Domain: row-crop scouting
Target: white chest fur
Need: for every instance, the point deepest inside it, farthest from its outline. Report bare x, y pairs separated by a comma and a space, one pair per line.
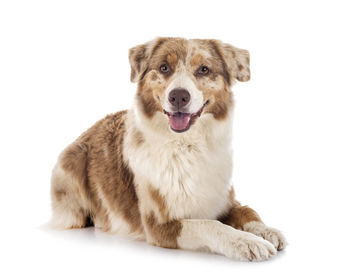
192, 172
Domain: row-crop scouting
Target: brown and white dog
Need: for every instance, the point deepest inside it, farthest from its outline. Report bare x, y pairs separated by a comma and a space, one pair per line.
161, 171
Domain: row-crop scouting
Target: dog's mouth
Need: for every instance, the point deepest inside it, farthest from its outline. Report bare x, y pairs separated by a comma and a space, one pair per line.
180, 121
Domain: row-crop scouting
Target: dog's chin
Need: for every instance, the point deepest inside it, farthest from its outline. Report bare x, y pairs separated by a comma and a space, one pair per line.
180, 121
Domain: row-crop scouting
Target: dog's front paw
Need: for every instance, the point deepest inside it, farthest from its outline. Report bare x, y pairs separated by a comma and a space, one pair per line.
253, 249
248, 247
270, 234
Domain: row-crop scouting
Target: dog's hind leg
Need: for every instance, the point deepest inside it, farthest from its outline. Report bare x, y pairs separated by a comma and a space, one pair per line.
70, 204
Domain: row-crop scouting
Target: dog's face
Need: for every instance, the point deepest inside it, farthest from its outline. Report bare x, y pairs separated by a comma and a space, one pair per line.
184, 79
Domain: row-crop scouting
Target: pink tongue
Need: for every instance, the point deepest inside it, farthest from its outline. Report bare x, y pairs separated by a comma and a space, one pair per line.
179, 121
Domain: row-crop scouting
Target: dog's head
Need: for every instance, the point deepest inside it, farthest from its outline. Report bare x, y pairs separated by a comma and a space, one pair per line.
184, 79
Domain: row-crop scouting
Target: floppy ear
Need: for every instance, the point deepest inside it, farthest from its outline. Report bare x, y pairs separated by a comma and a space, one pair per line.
237, 61
139, 58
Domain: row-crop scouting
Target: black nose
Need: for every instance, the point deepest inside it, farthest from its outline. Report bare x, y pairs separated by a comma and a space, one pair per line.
179, 97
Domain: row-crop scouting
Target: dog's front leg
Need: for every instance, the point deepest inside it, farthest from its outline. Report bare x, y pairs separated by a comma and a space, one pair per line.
245, 218
195, 234
223, 239
219, 238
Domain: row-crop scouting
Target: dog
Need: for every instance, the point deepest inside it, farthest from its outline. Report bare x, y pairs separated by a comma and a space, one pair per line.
161, 171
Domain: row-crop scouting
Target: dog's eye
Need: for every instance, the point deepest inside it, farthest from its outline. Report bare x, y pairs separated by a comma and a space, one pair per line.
203, 70
164, 68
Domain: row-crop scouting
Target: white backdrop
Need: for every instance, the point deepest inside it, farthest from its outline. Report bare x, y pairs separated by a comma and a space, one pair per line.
64, 65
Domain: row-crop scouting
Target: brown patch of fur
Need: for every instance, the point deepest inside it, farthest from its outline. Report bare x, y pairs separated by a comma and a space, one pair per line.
219, 102
238, 215
59, 193
196, 60
163, 234
146, 95
160, 202
172, 59
96, 160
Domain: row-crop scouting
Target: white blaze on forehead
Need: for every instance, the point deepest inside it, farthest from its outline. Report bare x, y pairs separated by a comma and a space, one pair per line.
182, 80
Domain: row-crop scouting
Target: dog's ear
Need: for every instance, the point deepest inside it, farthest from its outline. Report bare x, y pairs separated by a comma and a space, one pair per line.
237, 61
139, 58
